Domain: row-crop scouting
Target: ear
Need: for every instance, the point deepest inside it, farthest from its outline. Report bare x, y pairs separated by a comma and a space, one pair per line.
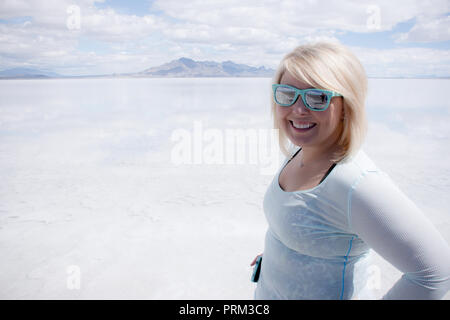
343, 114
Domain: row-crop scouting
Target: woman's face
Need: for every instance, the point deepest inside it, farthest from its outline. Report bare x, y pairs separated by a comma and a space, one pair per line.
324, 126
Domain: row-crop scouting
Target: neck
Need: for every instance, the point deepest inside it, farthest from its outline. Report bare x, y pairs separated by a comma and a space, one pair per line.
316, 157
311, 158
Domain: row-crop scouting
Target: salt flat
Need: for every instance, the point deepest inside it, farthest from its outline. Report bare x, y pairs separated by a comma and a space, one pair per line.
92, 205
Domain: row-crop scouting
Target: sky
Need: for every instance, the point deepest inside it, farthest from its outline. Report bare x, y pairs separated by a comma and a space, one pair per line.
391, 38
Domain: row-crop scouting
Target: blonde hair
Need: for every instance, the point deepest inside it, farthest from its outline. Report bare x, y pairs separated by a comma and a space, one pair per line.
331, 66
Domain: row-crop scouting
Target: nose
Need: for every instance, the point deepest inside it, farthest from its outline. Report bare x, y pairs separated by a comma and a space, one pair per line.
299, 107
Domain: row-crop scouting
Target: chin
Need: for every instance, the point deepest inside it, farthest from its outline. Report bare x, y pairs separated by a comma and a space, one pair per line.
298, 141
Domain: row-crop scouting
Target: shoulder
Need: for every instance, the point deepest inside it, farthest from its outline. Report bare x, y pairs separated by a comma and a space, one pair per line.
344, 180
359, 162
375, 196
350, 172
365, 179
360, 179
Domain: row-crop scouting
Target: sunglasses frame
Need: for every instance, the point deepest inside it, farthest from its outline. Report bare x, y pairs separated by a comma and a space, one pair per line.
299, 92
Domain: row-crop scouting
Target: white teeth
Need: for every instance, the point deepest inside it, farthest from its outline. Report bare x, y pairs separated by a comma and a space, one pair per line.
302, 126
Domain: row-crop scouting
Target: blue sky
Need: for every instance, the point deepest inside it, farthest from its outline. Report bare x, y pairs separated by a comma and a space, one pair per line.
392, 38
133, 7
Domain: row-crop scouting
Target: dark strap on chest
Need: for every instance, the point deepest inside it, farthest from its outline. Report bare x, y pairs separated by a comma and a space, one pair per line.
326, 174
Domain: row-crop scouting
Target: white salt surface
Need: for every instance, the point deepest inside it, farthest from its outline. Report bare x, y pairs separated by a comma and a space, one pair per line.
92, 205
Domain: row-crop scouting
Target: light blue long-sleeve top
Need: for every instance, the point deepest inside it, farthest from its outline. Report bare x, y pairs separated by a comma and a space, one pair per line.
317, 238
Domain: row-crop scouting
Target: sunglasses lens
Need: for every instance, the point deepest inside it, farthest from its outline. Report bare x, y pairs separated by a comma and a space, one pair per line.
284, 96
316, 99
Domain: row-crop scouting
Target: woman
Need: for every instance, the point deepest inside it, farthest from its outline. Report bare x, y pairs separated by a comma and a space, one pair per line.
329, 203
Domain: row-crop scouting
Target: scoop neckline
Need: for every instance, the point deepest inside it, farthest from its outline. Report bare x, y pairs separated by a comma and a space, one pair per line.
301, 191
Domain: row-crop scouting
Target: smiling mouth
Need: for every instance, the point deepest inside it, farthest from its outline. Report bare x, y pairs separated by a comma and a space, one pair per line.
302, 127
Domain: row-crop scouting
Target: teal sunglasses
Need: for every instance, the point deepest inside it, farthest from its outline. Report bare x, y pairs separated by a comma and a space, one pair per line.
313, 99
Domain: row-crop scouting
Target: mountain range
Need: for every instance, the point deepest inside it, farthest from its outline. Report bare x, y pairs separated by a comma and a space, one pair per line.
180, 68
26, 73
185, 67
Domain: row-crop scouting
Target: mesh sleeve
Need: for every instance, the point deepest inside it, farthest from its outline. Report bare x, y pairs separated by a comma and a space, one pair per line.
392, 225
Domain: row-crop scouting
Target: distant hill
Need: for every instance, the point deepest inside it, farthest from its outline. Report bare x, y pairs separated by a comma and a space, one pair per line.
27, 73
180, 68
185, 67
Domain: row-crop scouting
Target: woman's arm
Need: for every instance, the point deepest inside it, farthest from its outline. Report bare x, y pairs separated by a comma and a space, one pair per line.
392, 225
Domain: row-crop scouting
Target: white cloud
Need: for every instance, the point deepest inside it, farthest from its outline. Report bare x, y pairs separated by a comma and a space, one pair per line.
102, 24
406, 62
255, 32
427, 29
107, 25
298, 17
